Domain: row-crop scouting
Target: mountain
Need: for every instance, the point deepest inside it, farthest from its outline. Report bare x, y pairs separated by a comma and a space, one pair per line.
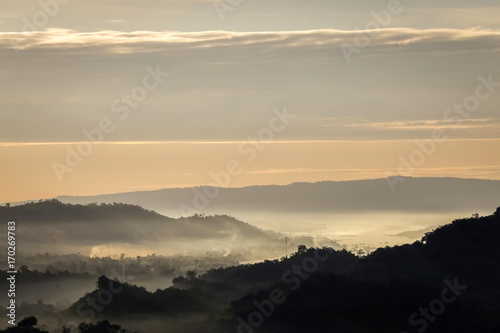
447, 282
410, 194
357, 214
110, 229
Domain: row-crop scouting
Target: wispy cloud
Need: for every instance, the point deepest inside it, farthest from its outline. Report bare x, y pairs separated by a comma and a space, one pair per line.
309, 170
473, 171
150, 41
487, 123
228, 142
479, 171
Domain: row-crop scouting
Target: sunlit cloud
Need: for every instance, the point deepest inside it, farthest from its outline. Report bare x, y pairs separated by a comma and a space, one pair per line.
475, 171
428, 124
308, 170
222, 142
150, 41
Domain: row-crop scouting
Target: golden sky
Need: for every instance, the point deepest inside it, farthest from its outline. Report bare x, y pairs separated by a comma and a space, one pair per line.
112, 168
338, 90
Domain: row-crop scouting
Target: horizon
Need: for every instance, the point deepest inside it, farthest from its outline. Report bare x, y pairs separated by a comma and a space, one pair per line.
375, 240
242, 187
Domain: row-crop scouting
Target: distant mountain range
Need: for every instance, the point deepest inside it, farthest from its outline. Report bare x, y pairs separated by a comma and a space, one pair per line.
412, 195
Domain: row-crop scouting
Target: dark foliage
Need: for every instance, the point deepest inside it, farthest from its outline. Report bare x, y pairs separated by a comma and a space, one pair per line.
447, 282
26, 325
101, 327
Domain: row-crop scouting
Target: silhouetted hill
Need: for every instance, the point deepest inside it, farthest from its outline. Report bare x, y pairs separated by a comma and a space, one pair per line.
56, 211
448, 282
453, 271
105, 229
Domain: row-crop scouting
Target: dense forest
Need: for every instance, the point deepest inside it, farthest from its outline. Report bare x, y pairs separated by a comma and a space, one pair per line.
447, 282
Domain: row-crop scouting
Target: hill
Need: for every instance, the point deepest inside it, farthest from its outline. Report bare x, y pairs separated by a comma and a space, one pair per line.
413, 194
447, 282
111, 229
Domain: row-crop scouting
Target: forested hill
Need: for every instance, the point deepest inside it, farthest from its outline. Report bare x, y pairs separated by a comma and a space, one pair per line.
448, 282
110, 229
56, 211
453, 273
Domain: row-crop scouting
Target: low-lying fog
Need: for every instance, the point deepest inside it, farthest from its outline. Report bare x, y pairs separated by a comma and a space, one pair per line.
353, 231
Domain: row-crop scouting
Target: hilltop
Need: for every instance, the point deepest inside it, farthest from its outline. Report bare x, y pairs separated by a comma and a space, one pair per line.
104, 229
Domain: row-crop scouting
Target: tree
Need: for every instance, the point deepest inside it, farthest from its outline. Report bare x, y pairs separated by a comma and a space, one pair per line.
497, 213
102, 282
191, 275
301, 249
361, 254
26, 325
28, 322
24, 269
101, 327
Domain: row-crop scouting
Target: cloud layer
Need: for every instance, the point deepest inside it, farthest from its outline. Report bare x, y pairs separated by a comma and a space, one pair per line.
224, 85
101, 42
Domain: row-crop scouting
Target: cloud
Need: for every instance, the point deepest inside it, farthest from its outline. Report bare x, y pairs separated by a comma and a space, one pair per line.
311, 170
153, 41
224, 84
473, 171
428, 124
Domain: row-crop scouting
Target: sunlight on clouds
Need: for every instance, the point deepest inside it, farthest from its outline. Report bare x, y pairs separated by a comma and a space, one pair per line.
151, 40
431, 124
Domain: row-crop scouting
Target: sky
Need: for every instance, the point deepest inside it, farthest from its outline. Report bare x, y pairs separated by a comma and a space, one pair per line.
170, 92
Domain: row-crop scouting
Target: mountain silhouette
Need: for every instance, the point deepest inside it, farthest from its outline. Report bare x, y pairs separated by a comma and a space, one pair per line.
427, 195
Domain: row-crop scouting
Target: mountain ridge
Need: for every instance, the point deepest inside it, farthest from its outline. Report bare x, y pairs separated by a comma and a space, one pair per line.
414, 194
